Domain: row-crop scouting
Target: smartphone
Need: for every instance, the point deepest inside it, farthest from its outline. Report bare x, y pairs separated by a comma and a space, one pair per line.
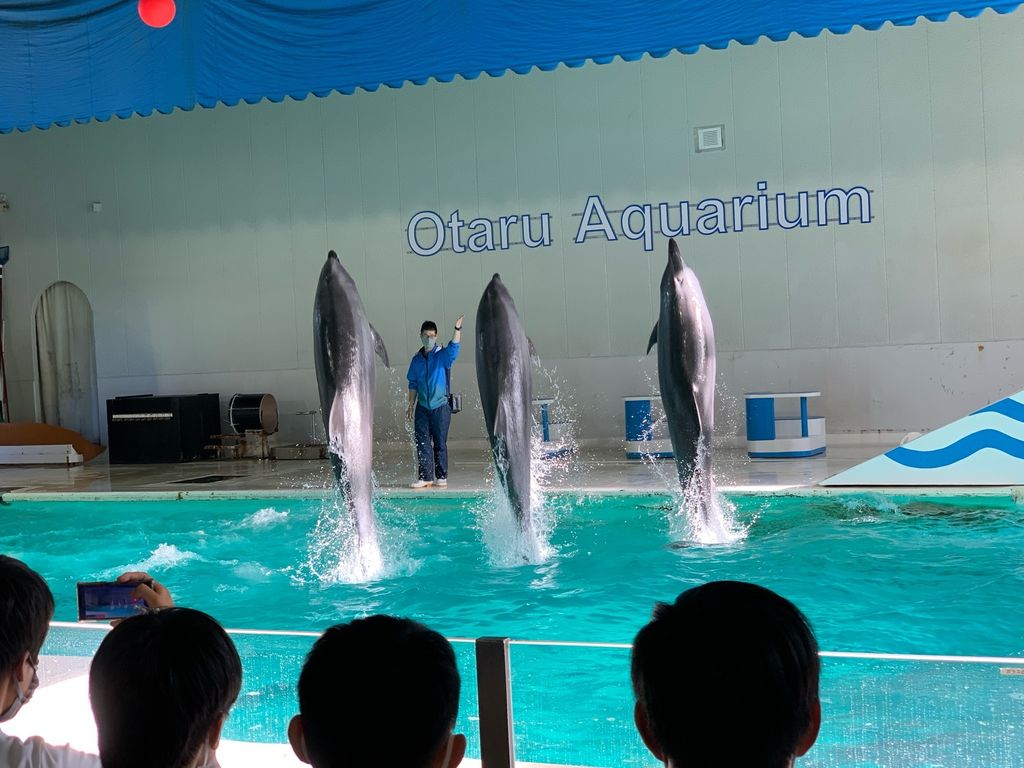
106, 600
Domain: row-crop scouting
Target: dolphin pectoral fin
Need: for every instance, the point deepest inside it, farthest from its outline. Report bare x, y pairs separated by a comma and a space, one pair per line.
378, 346
533, 351
653, 340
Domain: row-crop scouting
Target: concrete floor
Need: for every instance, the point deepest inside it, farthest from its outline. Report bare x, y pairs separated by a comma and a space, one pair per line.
592, 469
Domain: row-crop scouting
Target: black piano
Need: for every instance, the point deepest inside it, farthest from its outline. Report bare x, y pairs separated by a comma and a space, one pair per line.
151, 429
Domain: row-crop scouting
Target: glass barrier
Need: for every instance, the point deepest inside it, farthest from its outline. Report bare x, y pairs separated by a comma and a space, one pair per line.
915, 712
271, 662
572, 703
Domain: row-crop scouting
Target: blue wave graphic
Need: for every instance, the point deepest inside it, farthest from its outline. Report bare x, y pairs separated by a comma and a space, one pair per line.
960, 450
1006, 407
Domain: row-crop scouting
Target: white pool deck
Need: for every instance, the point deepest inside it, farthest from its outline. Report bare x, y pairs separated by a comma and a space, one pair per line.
60, 710
601, 469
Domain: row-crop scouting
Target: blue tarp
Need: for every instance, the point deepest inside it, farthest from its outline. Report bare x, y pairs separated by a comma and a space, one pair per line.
76, 60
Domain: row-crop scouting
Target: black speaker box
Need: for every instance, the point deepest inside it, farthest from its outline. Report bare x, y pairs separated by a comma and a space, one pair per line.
148, 429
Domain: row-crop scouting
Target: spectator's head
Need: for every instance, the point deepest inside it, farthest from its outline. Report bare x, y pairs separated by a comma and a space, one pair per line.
26, 607
161, 685
378, 691
727, 677
429, 326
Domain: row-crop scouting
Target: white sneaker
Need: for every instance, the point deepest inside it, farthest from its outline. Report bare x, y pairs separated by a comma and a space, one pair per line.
421, 484
441, 482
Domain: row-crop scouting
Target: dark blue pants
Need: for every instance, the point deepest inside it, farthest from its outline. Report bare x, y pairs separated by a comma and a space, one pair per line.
432, 441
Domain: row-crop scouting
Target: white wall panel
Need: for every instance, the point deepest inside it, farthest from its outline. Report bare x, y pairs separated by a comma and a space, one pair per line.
579, 175
110, 322
146, 312
307, 198
757, 147
497, 188
807, 165
385, 285
165, 145
417, 191
543, 304
857, 161
908, 194
279, 300
715, 258
23, 278
1002, 62
623, 180
462, 273
202, 265
668, 145
961, 216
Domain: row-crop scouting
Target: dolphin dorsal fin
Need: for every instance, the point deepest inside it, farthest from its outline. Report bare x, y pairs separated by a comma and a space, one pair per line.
378, 346
653, 340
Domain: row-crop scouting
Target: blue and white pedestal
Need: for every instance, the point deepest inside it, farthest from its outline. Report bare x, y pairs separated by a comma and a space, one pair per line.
770, 437
554, 434
646, 430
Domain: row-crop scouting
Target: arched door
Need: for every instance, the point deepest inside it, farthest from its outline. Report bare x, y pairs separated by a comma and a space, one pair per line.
65, 360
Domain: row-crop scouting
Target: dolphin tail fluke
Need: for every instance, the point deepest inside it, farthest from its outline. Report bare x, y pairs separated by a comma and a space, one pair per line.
653, 340
378, 346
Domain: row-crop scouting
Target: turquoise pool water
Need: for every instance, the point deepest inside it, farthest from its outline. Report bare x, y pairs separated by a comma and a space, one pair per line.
897, 575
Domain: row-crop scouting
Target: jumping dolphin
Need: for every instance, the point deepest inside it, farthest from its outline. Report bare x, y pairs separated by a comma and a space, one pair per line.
343, 346
504, 377
686, 374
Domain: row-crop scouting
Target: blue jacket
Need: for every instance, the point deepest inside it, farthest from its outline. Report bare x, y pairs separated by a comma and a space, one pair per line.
428, 374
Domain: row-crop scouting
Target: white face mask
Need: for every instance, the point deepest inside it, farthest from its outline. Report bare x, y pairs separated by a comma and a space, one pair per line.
428, 342
20, 696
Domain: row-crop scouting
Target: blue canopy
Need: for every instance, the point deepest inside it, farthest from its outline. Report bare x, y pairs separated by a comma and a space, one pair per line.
77, 60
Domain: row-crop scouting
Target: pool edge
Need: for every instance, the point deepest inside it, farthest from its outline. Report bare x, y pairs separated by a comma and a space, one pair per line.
1014, 492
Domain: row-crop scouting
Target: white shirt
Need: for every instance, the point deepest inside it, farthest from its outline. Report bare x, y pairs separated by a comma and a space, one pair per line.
36, 753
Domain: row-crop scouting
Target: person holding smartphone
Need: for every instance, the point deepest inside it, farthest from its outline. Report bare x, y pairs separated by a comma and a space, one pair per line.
428, 409
180, 669
26, 608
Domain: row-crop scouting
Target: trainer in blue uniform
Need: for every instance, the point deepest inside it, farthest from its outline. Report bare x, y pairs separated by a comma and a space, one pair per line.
428, 403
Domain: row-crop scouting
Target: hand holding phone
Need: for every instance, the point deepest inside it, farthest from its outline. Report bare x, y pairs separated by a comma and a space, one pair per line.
133, 593
155, 594
106, 600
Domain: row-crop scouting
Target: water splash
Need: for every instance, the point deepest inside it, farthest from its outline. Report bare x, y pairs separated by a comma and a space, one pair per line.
694, 520
507, 544
264, 518
164, 557
703, 515
335, 552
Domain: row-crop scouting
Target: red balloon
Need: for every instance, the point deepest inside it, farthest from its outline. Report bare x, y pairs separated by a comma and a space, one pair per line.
156, 13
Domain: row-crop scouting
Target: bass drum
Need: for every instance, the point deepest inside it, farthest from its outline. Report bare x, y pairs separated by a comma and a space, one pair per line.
253, 412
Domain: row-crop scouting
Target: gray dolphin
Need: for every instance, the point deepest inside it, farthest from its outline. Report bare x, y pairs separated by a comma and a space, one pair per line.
686, 373
344, 343
506, 390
